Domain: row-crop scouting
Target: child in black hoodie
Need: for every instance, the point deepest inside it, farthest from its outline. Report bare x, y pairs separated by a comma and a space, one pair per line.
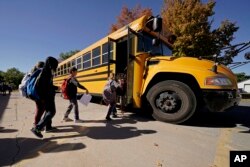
46, 91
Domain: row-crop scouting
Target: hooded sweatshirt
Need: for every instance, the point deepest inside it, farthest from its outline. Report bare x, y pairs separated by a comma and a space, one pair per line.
44, 85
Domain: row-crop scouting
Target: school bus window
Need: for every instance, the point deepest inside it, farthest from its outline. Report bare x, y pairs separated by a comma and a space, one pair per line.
79, 63
58, 71
55, 73
64, 69
166, 50
68, 65
61, 69
86, 60
96, 57
73, 63
105, 52
145, 45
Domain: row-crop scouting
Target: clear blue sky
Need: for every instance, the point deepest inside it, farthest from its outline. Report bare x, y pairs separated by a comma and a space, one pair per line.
31, 30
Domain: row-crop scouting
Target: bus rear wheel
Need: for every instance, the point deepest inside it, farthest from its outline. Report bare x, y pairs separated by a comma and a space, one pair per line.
172, 101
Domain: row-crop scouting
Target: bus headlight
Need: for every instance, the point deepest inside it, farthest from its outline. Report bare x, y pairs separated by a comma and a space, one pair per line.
218, 81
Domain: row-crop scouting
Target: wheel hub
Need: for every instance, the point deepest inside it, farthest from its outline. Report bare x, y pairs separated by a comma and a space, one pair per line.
166, 102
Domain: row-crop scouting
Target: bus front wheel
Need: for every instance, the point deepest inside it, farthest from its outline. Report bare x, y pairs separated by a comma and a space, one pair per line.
172, 101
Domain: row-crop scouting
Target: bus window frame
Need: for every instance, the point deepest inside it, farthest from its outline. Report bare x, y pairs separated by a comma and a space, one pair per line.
106, 53
79, 64
68, 66
86, 61
162, 44
73, 63
96, 51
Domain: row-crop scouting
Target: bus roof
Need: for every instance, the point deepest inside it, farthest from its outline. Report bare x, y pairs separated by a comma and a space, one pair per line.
137, 25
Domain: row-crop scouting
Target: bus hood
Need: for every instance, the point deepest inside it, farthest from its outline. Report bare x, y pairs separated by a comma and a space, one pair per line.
199, 68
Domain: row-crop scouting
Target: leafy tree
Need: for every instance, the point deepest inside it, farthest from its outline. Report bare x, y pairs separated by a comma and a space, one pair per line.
66, 55
128, 15
1, 76
242, 76
189, 21
13, 76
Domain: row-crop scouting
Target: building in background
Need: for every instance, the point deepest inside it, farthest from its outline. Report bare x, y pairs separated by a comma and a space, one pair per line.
244, 86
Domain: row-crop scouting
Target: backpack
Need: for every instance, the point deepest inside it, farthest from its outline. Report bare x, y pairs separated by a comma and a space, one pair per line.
65, 88
23, 85
108, 93
31, 85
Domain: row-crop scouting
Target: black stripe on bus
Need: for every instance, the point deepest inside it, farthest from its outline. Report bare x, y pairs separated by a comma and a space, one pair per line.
91, 80
90, 68
88, 75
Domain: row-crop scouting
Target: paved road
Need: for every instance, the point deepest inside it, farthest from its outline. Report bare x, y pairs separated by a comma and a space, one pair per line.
132, 140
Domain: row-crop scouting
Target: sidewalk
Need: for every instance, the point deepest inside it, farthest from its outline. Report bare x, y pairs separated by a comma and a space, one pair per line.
93, 143
20, 147
130, 140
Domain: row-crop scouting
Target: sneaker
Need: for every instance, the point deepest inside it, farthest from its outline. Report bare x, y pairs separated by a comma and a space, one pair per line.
78, 121
37, 132
52, 129
35, 127
114, 116
108, 119
67, 119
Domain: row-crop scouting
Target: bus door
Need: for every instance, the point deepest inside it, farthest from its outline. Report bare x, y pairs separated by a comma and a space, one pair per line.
122, 70
111, 43
125, 65
130, 67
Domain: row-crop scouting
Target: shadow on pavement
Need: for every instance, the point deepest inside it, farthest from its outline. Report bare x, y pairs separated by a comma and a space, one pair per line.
13, 150
238, 115
4, 99
115, 132
127, 118
112, 130
3, 130
228, 119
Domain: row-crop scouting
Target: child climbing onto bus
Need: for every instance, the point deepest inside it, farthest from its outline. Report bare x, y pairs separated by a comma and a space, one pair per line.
109, 95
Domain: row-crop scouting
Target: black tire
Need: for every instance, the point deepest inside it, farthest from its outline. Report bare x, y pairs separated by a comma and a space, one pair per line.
172, 101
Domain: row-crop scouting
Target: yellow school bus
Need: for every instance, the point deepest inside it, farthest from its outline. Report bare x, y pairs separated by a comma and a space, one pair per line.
173, 87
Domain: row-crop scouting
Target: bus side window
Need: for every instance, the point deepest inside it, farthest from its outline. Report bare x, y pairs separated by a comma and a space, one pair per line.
105, 52
96, 57
86, 60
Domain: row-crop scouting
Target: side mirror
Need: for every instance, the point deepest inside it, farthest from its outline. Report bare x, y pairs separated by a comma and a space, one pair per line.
155, 42
154, 24
247, 56
157, 24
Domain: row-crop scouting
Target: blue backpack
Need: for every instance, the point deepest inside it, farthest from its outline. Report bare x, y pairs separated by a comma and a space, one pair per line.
31, 85
23, 85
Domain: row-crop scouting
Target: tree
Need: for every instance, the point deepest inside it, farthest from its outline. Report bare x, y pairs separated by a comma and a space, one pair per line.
66, 55
1, 76
128, 15
189, 21
13, 77
242, 76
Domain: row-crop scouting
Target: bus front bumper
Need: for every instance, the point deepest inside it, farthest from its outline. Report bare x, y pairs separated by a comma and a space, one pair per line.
217, 100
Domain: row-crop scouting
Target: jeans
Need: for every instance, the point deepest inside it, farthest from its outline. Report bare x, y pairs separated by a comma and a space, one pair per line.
72, 103
111, 110
40, 108
50, 109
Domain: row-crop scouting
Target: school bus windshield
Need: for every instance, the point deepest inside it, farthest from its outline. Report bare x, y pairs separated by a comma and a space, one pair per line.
145, 45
